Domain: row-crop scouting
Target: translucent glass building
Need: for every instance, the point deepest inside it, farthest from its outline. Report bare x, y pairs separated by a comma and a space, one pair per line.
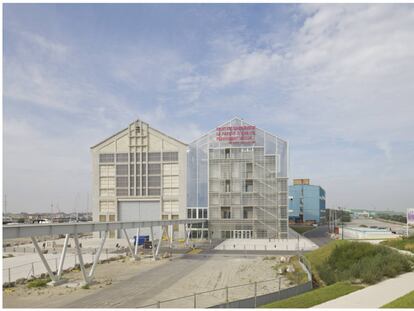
237, 178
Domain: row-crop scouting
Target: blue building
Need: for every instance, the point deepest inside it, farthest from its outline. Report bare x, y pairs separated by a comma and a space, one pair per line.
306, 202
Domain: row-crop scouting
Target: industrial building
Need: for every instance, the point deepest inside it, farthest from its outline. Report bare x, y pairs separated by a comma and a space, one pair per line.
307, 202
234, 176
139, 173
237, 178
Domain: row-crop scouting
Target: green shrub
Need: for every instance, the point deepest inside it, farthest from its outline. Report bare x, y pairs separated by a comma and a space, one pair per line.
38, 283
362, 261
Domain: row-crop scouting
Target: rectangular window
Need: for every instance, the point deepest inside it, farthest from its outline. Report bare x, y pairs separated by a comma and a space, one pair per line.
170, 156
200, 214
249, 170
122, 181
131, 181
144, 169
102, 218
144, 157
247, 212
154, 191
122, 157
248, 185
205, 213
189, 213
106, 158
154, 181
154, 157
194, 213
122, 169
154, 169
137, 157
227, 153
131, 157
111, 217
225, 212
227, 187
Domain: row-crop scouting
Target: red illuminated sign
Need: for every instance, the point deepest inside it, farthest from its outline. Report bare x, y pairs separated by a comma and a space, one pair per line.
245, 134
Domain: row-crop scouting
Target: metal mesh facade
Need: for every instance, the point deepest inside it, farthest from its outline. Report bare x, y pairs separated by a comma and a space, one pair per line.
243, 185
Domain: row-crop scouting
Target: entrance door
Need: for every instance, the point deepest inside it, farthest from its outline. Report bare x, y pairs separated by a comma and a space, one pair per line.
242, 234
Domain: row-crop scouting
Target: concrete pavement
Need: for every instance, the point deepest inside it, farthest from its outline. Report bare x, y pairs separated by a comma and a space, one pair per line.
374, 296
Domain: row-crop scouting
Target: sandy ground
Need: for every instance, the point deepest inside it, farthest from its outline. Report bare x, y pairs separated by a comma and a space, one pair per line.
55, 297
145, 282
224, 271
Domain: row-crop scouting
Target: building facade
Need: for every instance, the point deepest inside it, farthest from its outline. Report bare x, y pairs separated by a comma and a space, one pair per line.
307, 202
139, 174
237, 179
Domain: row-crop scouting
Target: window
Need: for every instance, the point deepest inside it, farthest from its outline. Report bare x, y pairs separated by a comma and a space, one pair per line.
102, 218
189, 213
131, 157
249, 186
194, 213
111, 217
144, 169
106, 158
227, 153
144, 157
122, 192
205, 213
225, 212
154, 191
249, 170
247, 212
170, 156
122, 181
227, 187
137, 156
122, 157
200, 214
154, 181
122, 169
154, 169
154, 157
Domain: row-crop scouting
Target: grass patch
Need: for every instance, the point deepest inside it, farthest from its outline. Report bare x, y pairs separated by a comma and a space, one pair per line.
406, 301
406, 244
86, 286
302, 229
298, 276
316, 296
317, 258
38, 283
357, 262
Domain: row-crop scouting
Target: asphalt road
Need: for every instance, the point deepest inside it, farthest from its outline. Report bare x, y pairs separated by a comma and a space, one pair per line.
319, 235
139, 289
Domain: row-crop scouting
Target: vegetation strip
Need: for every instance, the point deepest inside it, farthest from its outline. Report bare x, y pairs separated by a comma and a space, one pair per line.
406, 301
316, 296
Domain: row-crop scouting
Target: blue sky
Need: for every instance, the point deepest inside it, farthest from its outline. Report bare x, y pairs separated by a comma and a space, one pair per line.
334, 80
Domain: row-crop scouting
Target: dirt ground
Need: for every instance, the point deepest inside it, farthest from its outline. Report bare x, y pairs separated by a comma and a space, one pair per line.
113, 283
54, 297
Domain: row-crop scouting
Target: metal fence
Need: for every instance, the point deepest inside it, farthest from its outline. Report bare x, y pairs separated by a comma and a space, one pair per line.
36, 268
247, 295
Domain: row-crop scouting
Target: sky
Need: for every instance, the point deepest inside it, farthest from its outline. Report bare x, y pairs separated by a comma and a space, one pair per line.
336, 81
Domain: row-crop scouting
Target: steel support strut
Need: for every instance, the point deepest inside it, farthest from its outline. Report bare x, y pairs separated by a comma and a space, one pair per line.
79, 251
129, 245
62, 256
159, 242
42, 257
95, 262
152, 243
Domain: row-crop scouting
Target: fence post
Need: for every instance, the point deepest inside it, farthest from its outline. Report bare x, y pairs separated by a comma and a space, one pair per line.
9, 276
255, 294
195, 300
